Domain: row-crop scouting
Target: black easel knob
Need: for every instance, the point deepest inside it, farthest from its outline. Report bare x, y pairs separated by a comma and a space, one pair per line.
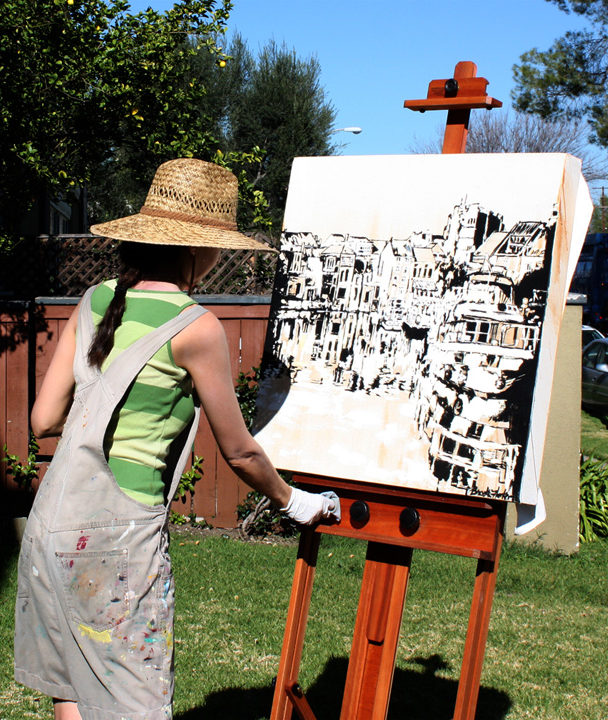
409, 521
359, 513
451, 87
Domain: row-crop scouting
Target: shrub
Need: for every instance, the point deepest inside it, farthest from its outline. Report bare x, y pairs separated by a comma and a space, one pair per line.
258, 516
24, 473
247, 386
186, 485
593, 500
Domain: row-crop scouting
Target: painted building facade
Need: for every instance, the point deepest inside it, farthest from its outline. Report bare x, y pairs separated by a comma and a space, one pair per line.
450, 322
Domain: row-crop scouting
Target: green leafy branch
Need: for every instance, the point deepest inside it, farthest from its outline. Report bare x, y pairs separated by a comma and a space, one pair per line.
247, 386
253, 204
185, 487
23, 473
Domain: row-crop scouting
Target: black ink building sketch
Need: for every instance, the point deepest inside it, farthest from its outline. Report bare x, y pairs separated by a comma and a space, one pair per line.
450, 323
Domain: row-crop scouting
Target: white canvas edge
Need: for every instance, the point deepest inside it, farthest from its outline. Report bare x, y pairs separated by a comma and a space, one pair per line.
575, 210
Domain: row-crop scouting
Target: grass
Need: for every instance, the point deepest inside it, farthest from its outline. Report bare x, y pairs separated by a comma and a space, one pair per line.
594, 435
545, 657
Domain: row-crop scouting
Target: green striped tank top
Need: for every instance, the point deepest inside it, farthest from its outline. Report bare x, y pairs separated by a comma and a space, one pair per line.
159, 406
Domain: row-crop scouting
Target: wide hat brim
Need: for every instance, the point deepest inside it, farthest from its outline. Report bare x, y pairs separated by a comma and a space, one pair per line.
168, 231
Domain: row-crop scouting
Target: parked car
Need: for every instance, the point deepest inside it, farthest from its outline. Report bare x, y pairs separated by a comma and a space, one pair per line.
595, 373
589, 334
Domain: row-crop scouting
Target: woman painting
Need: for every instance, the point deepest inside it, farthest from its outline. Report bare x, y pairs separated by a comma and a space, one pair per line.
94, 615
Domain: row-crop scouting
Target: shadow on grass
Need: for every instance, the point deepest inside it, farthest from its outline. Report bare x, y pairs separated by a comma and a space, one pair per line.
417, 696
9, 542
599, 412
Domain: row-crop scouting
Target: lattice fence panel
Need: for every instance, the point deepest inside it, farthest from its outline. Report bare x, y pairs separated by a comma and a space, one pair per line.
241, 272
65, 265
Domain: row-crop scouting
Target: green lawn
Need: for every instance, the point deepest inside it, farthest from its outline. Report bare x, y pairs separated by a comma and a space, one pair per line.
594, 434
546, 655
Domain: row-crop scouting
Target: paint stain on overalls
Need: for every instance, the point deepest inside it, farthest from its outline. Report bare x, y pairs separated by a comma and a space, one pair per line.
94, 613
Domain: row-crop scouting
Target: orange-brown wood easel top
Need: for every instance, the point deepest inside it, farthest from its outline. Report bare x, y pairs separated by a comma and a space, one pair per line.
460, 94
394, 522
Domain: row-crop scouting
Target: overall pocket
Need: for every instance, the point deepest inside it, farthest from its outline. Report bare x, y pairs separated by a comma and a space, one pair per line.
96, 586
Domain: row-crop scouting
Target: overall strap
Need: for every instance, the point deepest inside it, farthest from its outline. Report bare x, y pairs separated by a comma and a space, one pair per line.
121, 372
84, 337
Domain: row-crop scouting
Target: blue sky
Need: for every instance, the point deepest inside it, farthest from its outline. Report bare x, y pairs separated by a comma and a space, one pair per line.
374, 55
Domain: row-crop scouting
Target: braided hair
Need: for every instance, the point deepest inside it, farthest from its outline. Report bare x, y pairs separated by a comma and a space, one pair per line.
139, 262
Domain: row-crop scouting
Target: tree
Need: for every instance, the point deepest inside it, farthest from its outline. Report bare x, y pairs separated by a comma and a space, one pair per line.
275, 102
81, 80
259, 113
499, 131
599, 219
570, 79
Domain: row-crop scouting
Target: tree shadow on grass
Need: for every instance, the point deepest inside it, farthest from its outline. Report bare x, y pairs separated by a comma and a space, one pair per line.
599, 412
9, 542
415, 695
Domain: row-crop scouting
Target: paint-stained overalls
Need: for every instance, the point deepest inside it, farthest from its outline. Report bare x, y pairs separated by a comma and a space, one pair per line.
94, 613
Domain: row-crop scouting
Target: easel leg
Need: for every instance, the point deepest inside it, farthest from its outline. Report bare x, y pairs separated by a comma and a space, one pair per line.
477, 634
300, 704
456, 130
299, 603
372, 661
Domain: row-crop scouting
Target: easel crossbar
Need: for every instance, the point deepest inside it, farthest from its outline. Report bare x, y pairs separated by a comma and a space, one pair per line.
456, 526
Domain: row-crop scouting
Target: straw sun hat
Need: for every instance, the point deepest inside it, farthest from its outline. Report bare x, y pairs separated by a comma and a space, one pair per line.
190, 202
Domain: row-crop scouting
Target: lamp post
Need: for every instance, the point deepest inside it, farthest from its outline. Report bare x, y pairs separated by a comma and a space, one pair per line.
354, 130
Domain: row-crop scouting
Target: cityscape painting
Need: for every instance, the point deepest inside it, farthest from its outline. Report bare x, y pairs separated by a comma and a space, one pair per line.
405, 347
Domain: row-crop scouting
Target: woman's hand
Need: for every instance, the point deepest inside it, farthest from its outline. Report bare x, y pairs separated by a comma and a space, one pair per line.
308, 508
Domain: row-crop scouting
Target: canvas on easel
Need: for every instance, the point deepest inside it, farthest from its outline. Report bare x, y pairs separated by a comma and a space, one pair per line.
415, 318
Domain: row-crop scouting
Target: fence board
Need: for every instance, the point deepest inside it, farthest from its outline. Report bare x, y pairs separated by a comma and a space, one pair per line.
50, 323
15, 394
246, 311
47, 337
232, 328
17, 420
205, 494
253, 334
3, 363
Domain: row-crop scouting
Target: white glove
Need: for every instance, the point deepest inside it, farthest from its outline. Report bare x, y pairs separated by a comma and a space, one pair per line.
308, 508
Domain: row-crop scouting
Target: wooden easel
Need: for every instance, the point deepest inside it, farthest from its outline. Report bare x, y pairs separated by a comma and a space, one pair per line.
394, 521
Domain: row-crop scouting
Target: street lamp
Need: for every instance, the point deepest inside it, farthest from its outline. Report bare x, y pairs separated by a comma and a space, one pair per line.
353, 130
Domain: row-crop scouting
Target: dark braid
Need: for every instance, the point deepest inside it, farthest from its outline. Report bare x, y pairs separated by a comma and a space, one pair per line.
104, 337
139, 261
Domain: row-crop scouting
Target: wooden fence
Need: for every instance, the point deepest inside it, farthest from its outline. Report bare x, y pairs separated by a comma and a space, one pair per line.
28, 335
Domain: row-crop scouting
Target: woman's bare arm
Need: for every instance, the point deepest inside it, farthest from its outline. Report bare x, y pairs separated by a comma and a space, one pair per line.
203, 351
55, 397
